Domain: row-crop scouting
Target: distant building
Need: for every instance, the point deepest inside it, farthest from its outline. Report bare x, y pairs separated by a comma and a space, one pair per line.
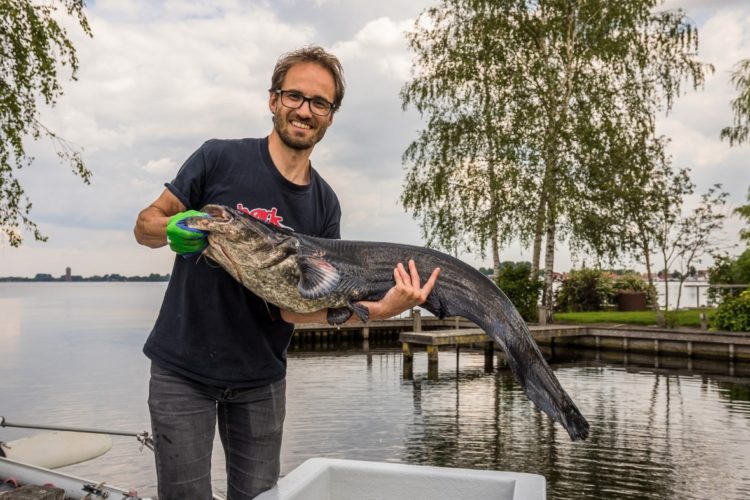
68, 276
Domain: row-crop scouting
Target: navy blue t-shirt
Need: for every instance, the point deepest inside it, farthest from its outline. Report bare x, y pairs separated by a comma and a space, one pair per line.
211, 328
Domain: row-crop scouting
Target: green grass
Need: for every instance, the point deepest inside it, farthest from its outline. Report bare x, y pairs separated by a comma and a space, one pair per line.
687, 317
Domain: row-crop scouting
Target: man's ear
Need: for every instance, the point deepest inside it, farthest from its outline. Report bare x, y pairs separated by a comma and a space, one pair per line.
273, 102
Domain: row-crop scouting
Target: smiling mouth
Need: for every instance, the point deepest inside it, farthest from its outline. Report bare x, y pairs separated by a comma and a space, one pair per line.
300, 125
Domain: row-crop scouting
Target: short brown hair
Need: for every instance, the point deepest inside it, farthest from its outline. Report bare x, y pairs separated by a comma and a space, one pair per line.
314, 54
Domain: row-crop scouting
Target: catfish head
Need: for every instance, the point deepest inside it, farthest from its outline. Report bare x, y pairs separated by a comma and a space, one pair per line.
241, 243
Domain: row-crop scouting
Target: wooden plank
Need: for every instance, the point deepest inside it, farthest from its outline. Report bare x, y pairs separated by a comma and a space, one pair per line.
677, 335
445, 337
477, 335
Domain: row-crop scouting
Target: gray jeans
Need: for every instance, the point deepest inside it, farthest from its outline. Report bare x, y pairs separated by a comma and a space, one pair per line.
183, 421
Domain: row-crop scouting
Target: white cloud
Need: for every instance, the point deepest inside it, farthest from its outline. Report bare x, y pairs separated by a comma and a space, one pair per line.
162, 167
381, 45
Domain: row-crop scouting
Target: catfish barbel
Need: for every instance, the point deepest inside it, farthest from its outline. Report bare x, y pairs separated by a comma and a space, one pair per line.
305, 274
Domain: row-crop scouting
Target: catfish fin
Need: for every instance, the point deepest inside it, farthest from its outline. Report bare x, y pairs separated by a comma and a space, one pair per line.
318, 277
338, 315
362, 312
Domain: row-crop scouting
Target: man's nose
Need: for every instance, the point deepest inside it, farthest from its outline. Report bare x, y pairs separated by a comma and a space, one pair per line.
305, 110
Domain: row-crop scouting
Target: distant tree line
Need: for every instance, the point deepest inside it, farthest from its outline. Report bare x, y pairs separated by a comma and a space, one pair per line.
76, 278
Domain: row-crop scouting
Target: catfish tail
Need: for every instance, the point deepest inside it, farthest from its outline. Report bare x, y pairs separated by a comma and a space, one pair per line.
476, 298
536, 377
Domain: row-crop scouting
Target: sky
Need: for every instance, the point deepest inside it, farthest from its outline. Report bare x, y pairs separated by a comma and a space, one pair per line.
158, 78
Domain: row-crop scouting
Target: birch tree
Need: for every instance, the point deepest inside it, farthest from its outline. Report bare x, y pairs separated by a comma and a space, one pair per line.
468, 182
568, 78
34, 46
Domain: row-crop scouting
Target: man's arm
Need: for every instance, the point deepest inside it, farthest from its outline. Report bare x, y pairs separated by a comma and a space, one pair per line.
150, 227
405, 294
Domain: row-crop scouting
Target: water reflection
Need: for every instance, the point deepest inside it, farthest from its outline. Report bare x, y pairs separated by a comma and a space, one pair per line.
660, 429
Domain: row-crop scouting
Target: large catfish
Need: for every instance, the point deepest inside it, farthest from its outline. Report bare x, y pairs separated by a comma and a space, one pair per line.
304, 274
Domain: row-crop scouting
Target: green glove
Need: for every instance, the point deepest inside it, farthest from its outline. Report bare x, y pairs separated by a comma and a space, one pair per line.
184, 240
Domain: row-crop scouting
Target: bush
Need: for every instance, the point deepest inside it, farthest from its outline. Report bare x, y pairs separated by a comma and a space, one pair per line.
629, 282
733, 314
632, 282
585, 290
514, 280
728, 271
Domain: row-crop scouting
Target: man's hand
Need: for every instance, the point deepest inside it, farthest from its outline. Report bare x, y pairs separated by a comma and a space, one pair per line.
184, 240
405, 294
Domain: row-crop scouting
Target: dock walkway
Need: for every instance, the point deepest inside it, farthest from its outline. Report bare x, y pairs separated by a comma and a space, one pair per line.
681, 342
434, 333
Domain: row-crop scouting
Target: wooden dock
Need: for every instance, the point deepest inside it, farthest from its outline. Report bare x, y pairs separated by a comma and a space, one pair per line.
432, 340
434, 333
730, 346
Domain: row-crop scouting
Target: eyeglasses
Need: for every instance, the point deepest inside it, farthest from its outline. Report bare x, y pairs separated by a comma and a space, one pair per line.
295, 100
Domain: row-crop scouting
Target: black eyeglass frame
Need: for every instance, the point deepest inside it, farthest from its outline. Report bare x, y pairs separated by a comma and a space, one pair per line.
305, 99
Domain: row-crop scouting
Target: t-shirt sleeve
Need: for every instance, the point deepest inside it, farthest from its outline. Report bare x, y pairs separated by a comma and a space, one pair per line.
188, 186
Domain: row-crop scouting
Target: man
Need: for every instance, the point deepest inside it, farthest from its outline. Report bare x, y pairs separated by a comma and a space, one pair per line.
218, 352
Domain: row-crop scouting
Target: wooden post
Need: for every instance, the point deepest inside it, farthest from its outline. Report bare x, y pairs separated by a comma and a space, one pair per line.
489, 355
552, 348
417, 316
408, 353
704, 321
542, 312
432, 354
365, 332
408, 365
408, 370
432, 362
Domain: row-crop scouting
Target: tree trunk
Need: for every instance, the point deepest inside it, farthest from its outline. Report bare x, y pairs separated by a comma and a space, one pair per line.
549, 260
538, 229
557, 119
650, 277
495, 258
661, 320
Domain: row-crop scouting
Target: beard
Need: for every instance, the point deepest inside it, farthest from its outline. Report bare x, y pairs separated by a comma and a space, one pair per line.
283, 127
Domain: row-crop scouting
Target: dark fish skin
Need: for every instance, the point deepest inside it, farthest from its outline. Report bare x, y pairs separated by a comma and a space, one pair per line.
304, 274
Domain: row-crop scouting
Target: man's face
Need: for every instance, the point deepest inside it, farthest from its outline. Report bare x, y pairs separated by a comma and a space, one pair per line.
300, 128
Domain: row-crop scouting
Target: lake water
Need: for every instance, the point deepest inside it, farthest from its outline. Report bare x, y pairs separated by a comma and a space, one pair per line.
70, 354
694, 294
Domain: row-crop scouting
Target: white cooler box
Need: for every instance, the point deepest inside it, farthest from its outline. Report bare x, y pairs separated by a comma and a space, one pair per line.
335, 479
